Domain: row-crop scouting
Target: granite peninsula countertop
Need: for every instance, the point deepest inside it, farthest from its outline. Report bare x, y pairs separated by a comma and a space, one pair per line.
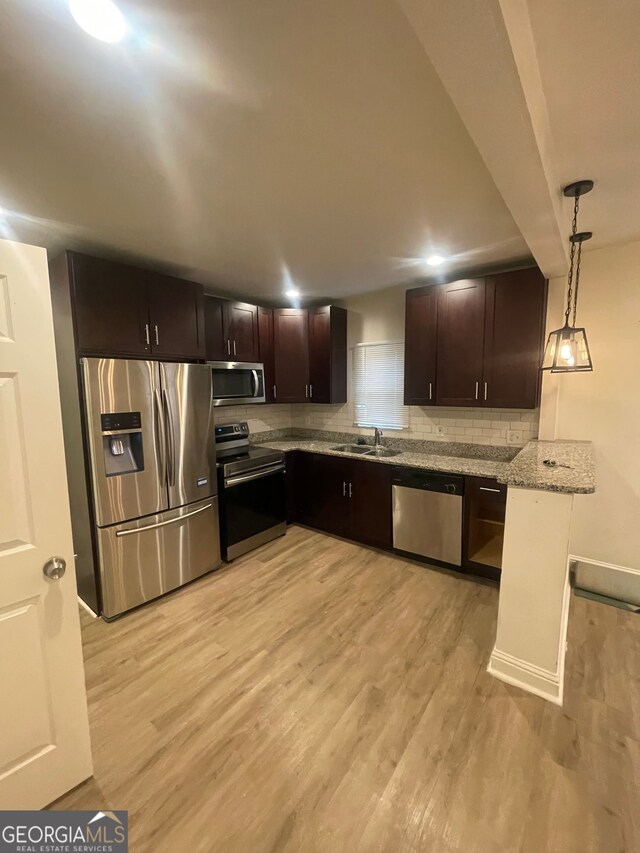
527, 469
574, 474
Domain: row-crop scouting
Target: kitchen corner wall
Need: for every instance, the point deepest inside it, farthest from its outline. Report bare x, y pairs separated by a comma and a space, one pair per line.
375, 317
379, 316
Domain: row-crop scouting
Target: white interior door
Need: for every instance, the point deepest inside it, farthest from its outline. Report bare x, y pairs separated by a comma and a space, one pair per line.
44, 731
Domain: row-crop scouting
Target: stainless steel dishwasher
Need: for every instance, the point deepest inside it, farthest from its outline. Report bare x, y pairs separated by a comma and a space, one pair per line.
427, 516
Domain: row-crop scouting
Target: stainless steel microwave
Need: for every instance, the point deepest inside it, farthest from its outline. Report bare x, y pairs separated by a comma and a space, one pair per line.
236, 383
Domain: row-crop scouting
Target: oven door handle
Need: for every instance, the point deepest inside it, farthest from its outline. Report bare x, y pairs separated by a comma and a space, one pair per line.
258, 475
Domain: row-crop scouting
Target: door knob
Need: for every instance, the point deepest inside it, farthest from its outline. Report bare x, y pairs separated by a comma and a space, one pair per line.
54, 568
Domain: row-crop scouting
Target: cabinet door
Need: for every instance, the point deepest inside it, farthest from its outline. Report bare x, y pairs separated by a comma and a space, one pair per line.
215, 322
328, 354
460, 345
421, 323
291, 349
176, 317
110, 307
370, 513
485, 503
514, 329
242, 331
322, 492
265, 340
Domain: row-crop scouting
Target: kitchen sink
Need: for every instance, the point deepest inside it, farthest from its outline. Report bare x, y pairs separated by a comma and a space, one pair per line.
366, 450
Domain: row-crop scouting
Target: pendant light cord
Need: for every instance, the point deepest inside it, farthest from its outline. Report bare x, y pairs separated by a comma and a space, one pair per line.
574, 229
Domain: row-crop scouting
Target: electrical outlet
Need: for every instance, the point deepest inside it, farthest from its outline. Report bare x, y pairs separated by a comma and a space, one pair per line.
514, 436
439, 430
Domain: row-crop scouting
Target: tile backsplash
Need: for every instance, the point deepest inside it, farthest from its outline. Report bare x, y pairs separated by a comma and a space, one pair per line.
260, 418
495, 427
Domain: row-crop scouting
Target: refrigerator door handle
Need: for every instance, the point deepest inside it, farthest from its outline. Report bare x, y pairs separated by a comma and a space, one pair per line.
160, 437
170, 440
133, 530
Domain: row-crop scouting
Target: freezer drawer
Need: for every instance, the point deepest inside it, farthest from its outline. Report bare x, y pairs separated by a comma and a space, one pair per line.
428, 524
140, 560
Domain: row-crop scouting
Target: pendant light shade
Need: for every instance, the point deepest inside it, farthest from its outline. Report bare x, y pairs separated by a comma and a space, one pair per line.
567, 349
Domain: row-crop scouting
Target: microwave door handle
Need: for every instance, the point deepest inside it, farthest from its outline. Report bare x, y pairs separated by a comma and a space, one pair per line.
256, 383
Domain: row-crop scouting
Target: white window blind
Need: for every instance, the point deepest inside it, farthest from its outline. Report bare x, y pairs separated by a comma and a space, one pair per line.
378, 385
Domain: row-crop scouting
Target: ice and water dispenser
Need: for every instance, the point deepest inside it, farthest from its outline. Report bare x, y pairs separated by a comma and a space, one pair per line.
122, 443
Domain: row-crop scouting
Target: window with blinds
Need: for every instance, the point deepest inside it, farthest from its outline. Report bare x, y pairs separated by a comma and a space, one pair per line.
378, 385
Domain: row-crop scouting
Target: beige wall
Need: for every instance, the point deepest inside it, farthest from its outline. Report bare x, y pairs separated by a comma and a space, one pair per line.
604, 406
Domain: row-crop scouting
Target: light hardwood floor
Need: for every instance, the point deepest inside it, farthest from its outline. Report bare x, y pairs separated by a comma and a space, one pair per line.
318, 696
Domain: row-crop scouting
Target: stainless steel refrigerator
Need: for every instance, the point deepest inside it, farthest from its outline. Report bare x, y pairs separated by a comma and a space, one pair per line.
152, 464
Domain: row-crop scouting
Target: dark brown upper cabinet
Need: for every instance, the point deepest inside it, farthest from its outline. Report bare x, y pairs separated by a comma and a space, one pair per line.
513, 340
421, 324
120, 310
176, 317
460, 349
216, 339
231, 330
291, 355
265, 338
328, 354
109, 304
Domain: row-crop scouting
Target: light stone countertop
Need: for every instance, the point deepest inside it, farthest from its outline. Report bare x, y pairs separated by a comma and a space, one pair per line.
576, 473
526, 470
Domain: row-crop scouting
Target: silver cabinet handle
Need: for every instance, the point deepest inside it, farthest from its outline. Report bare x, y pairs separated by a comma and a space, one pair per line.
344, 489
487, 489
155, 331
147, 339
275, 395
234, 348
54, 568
228, 347
350, 489
310, 390
133, 530
486, 386
306, 390
431, 391
477, 389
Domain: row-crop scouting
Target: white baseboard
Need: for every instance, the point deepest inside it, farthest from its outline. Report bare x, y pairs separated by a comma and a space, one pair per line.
533, 679
607, 579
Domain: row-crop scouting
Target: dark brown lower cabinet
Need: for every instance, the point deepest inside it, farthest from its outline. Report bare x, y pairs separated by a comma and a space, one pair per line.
485, 503
342, 496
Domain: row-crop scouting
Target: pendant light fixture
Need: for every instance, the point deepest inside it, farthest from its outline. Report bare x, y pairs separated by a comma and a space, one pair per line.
567, 350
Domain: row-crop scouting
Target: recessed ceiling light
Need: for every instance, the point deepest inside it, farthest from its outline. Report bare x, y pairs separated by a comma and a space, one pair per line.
100, 18
435, 260
292, 293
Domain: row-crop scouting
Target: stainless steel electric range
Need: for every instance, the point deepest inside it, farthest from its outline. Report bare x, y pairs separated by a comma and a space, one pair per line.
251, 482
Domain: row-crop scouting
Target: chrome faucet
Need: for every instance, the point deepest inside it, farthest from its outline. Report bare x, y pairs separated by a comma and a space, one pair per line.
378, 436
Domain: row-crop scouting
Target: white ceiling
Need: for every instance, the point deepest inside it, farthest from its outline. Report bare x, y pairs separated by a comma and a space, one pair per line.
240, 142
588, 54
250, 144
